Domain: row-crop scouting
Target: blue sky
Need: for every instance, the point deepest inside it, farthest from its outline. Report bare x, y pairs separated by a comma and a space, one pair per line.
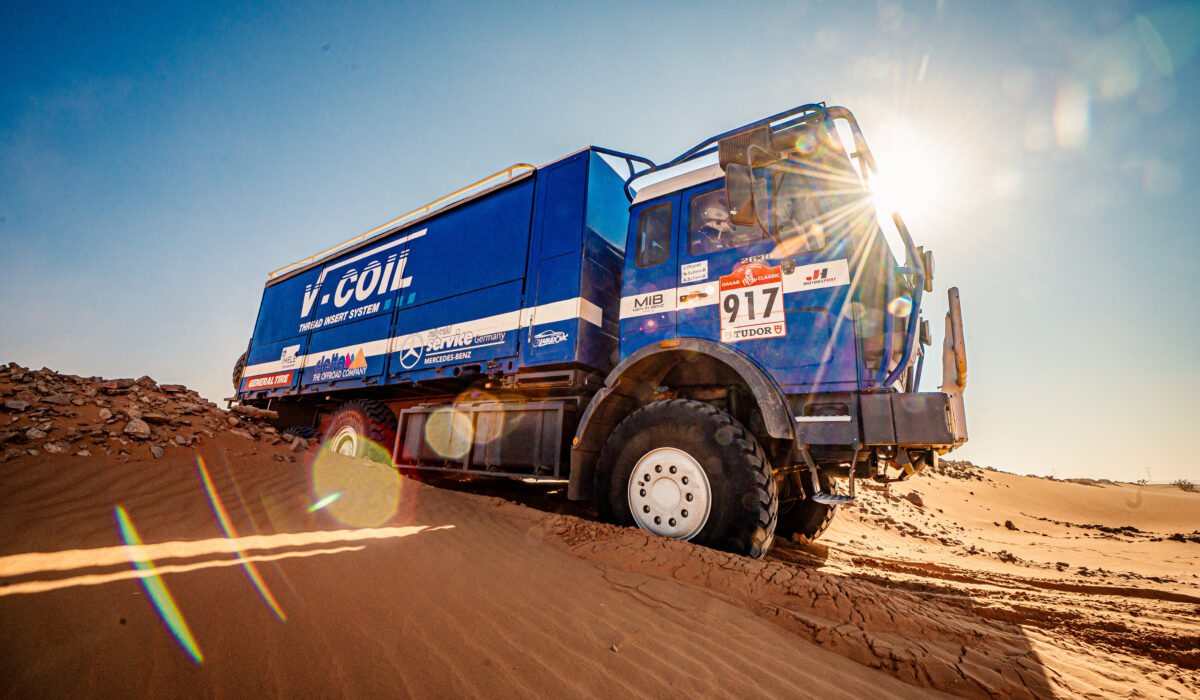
158, 159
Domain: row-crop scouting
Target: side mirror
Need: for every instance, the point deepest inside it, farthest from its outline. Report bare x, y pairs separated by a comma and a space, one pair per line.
739, 190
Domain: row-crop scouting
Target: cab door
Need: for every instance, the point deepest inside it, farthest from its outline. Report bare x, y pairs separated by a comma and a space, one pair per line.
648, 294
711, 246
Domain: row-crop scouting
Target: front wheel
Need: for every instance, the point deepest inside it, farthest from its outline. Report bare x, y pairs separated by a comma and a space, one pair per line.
687, 470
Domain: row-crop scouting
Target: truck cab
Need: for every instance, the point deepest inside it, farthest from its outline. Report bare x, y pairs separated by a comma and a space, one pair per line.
762, 286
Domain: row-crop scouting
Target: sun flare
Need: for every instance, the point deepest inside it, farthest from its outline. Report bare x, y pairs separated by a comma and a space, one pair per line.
912, 175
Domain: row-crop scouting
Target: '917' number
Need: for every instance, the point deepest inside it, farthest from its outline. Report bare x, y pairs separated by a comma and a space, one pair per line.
732, 303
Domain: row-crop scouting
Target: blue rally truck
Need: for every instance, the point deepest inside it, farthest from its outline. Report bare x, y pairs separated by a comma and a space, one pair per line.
716, 356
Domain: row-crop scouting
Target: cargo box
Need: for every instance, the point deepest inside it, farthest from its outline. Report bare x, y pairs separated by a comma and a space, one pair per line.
521, 276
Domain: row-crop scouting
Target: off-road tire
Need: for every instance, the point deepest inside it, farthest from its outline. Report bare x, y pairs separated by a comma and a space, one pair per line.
300, 431
743, 500
239, 368
367, 419
805, 517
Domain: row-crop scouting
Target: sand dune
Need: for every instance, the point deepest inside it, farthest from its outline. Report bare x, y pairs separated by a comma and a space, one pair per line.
240, 563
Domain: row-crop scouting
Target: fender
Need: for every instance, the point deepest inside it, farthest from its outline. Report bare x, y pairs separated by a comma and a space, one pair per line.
634, 380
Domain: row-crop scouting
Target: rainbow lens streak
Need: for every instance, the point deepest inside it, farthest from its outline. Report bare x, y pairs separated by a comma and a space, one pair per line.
231, 534
157, 589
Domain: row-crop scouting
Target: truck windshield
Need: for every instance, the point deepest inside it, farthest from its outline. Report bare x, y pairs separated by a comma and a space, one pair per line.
813, 188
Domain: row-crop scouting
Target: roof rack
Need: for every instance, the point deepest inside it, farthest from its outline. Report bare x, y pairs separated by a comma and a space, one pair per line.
708, 146
508, 173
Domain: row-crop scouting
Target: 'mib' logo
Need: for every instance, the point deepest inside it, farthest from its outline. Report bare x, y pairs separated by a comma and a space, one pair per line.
651, 301
818, 275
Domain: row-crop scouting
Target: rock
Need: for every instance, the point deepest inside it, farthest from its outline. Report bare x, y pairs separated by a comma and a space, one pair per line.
55, 448
172, 388
915, 499
181, 440
83, 453
57, 399
8, 454
241, 433
252, 412
32, 452
78, 402
154, 417
15, 405
10, 436
137, 428
1009, 524
146, 382
105, 414
34, 434
157, 451
299, 443
232, 421
133, 412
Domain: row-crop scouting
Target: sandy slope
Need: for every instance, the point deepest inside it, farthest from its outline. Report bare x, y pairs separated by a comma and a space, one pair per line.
995, 585
472, 599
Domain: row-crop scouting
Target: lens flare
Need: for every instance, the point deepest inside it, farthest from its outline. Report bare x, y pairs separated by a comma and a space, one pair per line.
356, 491
900, 306
806, 143
231, 534
449, 432
324, 502
157, 589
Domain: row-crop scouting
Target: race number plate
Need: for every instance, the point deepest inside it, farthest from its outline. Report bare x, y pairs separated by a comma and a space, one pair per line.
752, 304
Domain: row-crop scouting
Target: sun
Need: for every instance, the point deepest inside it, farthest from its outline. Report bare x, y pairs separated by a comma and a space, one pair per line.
912, 175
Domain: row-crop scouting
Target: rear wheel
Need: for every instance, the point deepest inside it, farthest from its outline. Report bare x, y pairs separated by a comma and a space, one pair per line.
686, 470
239, 368
804, 517
361, 428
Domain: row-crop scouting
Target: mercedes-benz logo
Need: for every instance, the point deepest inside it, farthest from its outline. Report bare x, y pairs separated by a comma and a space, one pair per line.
411, 350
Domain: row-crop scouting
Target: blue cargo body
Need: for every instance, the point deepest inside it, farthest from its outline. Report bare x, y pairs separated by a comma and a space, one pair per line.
521, 276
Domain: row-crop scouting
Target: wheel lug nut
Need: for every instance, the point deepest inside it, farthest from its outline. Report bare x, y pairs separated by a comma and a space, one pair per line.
645, 509
657, 520
672, 470
685, 480
642, 493
684, 513
689, 497
671, 522
646, 478
658, 468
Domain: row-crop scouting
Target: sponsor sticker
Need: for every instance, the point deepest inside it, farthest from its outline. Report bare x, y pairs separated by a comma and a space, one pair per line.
693, 272
549, 338
288, 358
648, 303
335, 366
751, 305
833, 273
269, 381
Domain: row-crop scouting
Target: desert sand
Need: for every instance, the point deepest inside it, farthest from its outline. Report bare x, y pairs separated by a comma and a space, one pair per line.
192, 551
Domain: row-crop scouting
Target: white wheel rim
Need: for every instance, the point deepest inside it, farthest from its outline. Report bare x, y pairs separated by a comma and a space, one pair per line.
345, 441
669, 494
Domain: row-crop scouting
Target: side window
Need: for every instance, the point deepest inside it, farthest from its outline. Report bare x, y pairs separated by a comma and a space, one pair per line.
709, 227
654, 235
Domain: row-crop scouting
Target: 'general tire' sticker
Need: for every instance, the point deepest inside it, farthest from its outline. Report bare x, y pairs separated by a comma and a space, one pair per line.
751, 304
